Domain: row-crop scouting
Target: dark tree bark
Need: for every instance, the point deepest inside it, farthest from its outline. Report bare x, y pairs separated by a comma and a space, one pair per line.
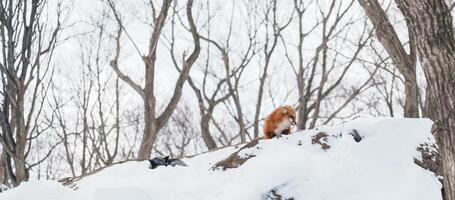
405, 63
430, 22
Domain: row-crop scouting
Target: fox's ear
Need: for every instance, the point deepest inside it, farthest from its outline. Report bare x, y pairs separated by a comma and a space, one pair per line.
283, 110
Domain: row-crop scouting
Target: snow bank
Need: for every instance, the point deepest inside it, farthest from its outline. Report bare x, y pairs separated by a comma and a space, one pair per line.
378, 164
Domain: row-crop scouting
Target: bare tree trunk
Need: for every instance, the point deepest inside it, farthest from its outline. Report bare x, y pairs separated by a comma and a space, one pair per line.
151, 124
302, 100
429, 107
431, 23
206, 136
411, 104
405, 63
150, 132
21, 171
117, 121
3, 169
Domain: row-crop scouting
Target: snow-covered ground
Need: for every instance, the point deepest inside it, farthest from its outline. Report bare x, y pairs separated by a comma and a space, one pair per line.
324, 163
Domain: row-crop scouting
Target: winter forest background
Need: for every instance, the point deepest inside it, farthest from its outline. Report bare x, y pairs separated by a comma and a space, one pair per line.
88, 83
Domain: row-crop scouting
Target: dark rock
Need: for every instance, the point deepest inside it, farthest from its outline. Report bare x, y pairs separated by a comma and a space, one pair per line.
355, 134
431, 160
273, 194
235, 160
321, 138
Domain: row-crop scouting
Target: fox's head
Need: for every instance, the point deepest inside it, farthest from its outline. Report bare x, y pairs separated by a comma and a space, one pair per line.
289, 112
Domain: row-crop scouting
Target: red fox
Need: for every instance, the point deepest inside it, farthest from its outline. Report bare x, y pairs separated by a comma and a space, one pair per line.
279, 122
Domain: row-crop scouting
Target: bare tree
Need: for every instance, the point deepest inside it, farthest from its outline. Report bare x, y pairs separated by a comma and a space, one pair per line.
27, 43
301, 8
180, 135
91, 137
316, 79
227, 86
234, 72
272, 34
431, 25
153, 122
386, 90
405, 63
206, 102
106, 154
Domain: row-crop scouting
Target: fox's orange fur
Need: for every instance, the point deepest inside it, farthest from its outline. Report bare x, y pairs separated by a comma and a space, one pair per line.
279, 122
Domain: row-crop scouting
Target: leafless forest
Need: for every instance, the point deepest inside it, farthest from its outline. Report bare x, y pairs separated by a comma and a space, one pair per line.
88, 83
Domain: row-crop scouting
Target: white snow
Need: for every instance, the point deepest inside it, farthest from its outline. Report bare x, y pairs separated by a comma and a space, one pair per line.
380, 166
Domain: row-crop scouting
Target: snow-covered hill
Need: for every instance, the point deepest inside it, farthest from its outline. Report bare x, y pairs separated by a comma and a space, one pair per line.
367, 158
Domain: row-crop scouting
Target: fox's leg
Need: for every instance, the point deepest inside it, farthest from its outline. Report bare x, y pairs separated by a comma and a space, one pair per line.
269, 130
286, 132
268, 134
278, 135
